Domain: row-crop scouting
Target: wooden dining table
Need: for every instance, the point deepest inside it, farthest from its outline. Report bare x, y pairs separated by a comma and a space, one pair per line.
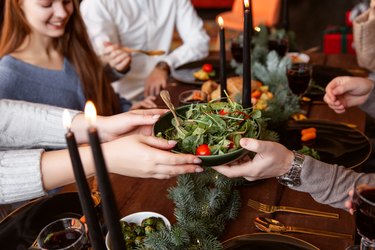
137, 194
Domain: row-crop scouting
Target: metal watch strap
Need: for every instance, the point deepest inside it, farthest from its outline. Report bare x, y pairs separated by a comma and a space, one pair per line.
293, 177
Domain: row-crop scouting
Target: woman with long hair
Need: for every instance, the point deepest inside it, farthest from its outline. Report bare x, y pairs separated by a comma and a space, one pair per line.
46, 57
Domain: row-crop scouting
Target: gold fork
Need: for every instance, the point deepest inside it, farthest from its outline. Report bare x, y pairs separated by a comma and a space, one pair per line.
271, 209
146, 52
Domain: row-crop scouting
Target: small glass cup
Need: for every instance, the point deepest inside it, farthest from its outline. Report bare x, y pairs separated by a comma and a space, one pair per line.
281, 46
299, 76
236, 48
192, 97
63, 234
364, 203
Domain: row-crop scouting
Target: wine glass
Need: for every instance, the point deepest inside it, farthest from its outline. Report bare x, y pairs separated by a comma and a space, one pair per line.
236, 48
299, 76
280, 45
364, 204
66, 233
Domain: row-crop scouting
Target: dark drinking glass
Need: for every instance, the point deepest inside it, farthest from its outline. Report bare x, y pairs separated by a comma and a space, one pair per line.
61, 239
66, 234
364, 205
236, 49
299, 75
281, 46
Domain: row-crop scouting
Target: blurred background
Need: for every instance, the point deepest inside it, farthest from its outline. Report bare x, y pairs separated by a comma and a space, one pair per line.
308, 18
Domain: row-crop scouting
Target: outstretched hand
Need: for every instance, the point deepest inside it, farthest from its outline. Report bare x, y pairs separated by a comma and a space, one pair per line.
148, 157
272, 159
345, 91
112, 127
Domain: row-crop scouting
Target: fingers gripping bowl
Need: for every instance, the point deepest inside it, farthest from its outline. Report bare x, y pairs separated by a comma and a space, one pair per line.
211, 130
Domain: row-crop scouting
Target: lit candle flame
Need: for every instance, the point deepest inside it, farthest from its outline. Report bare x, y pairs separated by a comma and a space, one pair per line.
246, 3
67, 120
220, 21
90, 112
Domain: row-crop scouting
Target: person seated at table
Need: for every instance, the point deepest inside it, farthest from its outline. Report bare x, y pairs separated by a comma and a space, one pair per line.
33, 159
46, 57
364, 38
326, 183
147, 25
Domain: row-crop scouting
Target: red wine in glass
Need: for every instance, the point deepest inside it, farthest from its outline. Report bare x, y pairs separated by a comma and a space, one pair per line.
299, 75
61, 239
236, 49
365, 213
281, 46
65, 233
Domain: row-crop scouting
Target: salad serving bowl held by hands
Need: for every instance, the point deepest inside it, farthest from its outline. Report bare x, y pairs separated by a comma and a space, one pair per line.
220, 125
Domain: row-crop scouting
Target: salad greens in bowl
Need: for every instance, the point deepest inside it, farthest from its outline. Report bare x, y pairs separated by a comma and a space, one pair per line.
211, 130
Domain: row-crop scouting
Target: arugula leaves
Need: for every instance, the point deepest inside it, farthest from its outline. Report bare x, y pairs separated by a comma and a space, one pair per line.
221, 125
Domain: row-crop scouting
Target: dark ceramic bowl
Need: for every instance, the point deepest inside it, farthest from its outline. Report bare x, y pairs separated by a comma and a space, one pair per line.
164, 123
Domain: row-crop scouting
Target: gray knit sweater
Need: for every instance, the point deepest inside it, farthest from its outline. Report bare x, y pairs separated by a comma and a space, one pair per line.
26, 129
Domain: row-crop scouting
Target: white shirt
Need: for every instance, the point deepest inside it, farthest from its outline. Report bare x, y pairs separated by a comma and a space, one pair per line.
148, 25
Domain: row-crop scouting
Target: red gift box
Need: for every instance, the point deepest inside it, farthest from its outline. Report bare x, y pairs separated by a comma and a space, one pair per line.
348, 22
338, 40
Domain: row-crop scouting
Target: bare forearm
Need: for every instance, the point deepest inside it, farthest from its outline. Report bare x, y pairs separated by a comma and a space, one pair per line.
57, 169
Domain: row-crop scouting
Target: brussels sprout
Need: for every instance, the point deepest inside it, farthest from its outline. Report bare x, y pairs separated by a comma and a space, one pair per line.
125, 226
160, 225
149, 221
133, 226
140, 231
139, 241
129, 244
129, 235
149, 230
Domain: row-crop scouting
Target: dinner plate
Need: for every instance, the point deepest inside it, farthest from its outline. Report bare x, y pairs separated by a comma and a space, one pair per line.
184, 73
336, 143
267, 241
20, 228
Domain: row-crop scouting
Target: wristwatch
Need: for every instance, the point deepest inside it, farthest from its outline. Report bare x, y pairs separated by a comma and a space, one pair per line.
292, 178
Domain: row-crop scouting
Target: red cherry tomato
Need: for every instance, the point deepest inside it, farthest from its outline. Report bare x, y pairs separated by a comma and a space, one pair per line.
207, 67
223, 112
203, 149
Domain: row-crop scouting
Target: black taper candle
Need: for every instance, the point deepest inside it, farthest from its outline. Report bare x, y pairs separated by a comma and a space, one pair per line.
251, 17
223, 73
96, 237
111, 214
246, 85
285, 14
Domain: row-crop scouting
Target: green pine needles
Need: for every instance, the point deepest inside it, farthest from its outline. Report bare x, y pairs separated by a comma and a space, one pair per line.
205, 203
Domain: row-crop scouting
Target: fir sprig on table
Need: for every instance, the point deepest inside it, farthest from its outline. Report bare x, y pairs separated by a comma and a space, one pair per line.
204, 204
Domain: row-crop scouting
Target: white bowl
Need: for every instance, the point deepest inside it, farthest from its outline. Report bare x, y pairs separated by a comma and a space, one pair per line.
138, 218
298, 57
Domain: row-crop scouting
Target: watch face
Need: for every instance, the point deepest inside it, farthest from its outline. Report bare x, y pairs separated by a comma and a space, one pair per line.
289, 182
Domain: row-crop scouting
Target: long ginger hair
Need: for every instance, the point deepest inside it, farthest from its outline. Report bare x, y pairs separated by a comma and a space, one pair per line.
75, 45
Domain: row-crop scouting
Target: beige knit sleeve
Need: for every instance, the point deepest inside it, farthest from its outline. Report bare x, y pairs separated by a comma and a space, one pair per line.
364, 40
